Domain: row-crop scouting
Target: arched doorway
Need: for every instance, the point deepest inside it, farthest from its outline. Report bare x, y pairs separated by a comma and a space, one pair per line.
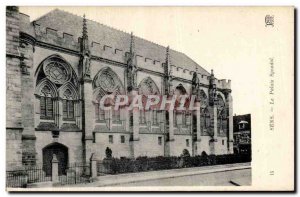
61, 153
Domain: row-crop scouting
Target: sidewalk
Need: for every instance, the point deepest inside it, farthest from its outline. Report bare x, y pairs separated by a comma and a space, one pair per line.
111, 180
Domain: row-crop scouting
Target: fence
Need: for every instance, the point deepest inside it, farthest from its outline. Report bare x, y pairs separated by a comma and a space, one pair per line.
30, 174
76, 173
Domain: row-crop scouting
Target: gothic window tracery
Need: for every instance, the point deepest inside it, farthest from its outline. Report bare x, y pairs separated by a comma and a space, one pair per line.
56, 82
57, 72
106, 82
148, 87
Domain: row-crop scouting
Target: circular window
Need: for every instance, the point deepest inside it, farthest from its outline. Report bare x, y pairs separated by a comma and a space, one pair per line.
56, 72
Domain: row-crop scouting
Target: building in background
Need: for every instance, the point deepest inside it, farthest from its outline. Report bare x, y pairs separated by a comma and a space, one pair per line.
59, 67
242, 134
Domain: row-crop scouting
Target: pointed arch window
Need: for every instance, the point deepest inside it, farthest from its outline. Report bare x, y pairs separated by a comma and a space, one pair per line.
148, 87
107, 82
57, 93
46, 104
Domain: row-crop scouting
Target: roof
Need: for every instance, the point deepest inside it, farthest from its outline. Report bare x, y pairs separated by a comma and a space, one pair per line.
97, 32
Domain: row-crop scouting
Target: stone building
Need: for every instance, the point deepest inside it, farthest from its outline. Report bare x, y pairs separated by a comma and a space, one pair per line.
242, 134
60, 65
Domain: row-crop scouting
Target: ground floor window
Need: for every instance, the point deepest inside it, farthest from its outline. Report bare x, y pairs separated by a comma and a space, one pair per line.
159, 140
110, 139
122, 139
187, 141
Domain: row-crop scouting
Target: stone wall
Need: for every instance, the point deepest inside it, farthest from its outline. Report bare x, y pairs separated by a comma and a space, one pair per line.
14, 126
118, 149
181, 144
149, 145
72, 140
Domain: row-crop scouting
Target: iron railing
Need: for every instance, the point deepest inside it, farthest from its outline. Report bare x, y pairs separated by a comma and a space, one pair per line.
76, 173
27, 175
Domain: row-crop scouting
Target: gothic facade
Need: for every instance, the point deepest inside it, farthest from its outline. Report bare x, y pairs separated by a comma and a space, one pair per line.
60, 66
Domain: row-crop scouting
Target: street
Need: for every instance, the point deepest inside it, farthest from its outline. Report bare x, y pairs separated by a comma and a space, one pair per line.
217, 175
227, 178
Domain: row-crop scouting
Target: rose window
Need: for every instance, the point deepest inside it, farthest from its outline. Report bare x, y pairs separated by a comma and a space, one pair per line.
56, 72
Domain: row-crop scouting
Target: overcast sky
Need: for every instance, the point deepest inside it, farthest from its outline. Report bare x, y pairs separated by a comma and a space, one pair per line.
220, 41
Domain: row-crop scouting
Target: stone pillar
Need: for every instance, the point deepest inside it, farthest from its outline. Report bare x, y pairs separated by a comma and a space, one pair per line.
26, 49
88, 118
54, 169
135, 129
215, 129
198, 129
127, 118
93, 166
170, 129
230, 126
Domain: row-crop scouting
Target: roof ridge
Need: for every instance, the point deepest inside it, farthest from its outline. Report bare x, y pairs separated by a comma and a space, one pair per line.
113, 28
123, 32
43, 16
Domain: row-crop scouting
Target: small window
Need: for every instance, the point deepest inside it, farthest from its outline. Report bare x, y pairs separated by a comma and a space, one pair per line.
122, 139
94, 137
222, 142
187, 141
159, 140
110, 139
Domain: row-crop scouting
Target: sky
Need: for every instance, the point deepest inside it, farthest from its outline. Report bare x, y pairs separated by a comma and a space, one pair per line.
224, 42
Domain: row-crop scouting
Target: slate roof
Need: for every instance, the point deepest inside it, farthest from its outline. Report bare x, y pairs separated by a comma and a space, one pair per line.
97, 32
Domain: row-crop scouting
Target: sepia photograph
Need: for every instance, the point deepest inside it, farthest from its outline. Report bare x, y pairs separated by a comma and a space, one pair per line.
149, 98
